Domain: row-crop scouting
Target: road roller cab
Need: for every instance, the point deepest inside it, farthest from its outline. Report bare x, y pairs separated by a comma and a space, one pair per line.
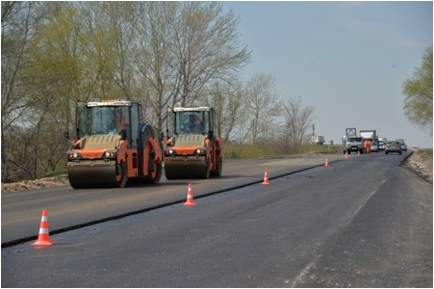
113, 145
192, 149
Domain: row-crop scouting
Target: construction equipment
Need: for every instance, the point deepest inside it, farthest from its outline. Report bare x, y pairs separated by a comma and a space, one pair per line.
192, 151
112, 146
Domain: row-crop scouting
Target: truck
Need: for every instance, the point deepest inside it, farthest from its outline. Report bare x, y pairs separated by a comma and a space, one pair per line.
318, 139
352, 142
113, 145
369, 134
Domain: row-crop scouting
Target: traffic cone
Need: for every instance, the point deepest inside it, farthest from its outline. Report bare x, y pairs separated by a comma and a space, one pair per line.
358, 153
346, 155
266, 181
190, 201
326, 163
43, 236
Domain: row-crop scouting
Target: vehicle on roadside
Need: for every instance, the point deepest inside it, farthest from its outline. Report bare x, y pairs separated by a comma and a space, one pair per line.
317, 139
192, 148
113, 145
353, 144
393, 147
403, 145
375, 147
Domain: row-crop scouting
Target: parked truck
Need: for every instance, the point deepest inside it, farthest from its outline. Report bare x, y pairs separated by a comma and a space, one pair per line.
318, 139
352, 142
369, 134
370, 138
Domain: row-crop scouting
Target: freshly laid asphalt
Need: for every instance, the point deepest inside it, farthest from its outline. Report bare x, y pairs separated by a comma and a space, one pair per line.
21, 211
363, 222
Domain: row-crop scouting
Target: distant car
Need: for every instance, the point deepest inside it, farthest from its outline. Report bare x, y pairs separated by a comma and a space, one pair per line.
374, 147
393, 147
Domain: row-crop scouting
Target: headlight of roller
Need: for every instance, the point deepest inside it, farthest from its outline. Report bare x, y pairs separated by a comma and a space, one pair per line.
200, 151
110, 154
73, 155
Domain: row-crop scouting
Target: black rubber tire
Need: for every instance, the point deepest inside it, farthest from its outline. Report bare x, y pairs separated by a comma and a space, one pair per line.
206, 172
156, 179
153, 167
124, 171
218, 172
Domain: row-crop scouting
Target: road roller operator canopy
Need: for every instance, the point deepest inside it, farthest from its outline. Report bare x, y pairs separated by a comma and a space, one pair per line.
99, 120
192, 122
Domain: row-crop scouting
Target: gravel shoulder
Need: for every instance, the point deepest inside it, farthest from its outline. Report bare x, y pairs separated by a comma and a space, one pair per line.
421, 163
49, 182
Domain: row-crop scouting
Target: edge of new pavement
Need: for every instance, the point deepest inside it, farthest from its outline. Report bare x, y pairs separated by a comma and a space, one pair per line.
161, 205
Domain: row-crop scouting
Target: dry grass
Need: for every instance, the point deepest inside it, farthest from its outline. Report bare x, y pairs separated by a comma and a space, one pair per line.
48, 182
421, 162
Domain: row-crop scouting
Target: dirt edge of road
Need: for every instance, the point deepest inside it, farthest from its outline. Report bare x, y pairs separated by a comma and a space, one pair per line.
62, 180
42, 183
421, 163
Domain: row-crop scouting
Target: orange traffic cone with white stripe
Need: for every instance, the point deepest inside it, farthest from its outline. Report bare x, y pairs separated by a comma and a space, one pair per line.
326, 163
43, 236
190, 201
266, 181
346, 155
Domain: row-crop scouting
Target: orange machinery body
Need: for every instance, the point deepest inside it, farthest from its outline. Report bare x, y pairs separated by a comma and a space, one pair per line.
108, 160
193, 154
195, 161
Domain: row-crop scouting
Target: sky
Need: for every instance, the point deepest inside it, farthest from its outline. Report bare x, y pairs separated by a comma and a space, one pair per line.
346, 59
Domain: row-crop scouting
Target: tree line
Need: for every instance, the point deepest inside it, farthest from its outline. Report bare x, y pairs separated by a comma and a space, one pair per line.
162, 54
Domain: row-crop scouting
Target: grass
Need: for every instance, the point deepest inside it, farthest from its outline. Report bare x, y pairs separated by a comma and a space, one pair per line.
252, 151
425, 153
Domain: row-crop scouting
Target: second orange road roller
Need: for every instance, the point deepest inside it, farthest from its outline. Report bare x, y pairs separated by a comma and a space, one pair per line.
192, 148
113, 145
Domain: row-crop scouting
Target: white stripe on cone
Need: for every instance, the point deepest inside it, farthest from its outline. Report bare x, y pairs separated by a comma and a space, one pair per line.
43, 230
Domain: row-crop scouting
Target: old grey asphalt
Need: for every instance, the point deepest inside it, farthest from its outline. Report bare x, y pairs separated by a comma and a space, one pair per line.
365, 222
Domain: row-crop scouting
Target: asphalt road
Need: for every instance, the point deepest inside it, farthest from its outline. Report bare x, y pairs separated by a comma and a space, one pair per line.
365, 222
21, 211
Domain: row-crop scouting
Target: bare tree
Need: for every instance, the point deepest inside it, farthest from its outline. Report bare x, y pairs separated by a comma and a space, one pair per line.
263, 107
156, 58
226, 98
298, 119
206, 46
16, 30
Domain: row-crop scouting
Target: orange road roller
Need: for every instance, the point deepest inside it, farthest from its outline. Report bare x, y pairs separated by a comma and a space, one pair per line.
113, 145
192, 150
